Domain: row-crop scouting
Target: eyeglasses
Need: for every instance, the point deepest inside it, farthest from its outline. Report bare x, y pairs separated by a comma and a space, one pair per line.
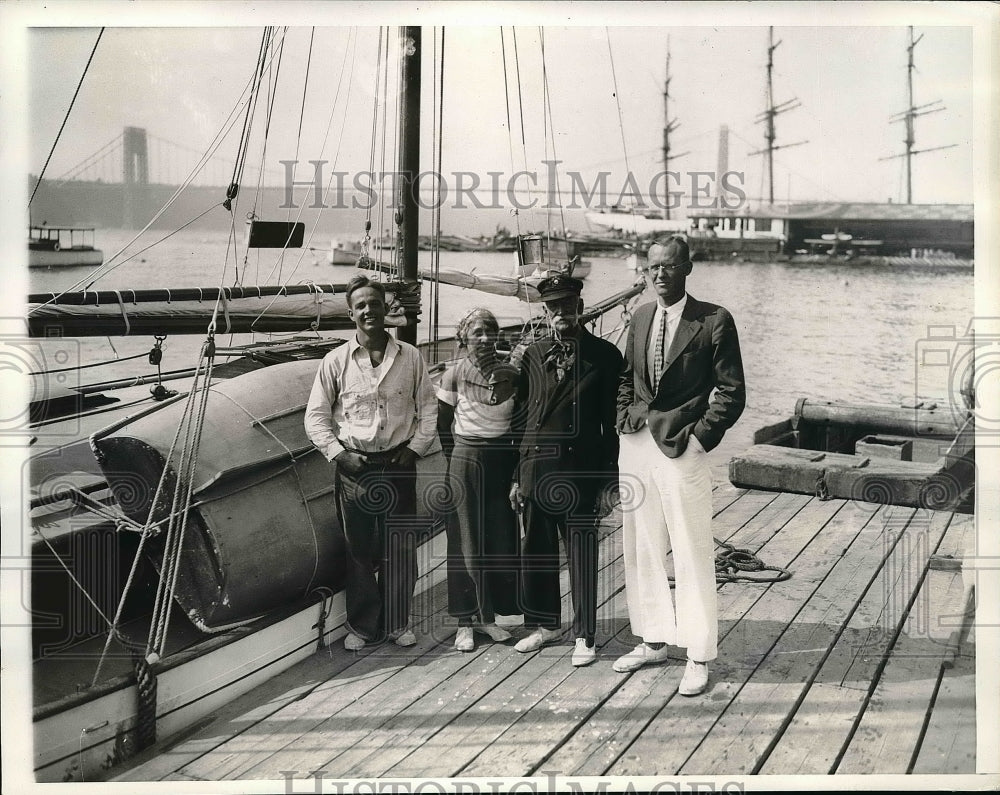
656, 266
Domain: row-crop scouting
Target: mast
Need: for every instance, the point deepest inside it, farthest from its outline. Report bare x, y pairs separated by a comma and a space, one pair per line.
768, 115
669, 125
409, 162
907, 116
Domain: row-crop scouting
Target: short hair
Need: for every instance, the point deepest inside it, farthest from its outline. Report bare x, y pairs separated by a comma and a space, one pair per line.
479, 313
676, 245
663, 240
359, 281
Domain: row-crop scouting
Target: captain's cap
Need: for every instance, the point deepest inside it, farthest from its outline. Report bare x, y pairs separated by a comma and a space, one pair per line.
559, 286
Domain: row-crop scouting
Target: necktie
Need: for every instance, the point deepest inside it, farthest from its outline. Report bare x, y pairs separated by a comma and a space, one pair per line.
560, 357
660, 352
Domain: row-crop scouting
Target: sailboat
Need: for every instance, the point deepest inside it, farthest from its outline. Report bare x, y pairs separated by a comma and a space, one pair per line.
192, 526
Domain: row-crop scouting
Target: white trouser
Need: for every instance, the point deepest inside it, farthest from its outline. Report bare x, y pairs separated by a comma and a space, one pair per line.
667, 504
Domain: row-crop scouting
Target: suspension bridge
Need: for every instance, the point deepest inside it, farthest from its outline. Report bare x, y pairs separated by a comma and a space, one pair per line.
123, 183
140, 157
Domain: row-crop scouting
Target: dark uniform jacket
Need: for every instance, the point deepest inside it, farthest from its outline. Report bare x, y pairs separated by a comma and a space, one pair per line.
566, 429
701, 390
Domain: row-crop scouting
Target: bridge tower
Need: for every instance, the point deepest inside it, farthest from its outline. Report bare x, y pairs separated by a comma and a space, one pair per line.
135, 175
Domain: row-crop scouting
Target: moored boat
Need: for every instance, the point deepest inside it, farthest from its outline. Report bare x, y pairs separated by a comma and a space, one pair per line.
62, 246
185, 538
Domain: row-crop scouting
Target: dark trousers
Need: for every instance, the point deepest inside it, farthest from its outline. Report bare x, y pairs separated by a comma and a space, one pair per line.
482, 531
540, 568
377, 510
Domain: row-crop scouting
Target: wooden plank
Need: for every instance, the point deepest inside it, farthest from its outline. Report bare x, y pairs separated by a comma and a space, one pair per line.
218, 739
362, 717
355, 733
850, 643
457, 744
612, 731
420, 722
949, 744
286, 724
734, 712
524, 749
399, 688
523, 682
527, 743
888, 734
241, 714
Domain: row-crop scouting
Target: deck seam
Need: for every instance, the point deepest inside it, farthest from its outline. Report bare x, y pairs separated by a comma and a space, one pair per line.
719, 586
887, 653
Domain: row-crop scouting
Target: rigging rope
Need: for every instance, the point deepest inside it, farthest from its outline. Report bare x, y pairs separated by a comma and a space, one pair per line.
371, 149
524, 152
433, 327
550, 137
109, 263
621, 126
66, 117
272, 92
348, 50
394, 249
241, 149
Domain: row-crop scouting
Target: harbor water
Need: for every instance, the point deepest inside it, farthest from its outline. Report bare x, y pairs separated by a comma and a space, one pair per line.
826, 332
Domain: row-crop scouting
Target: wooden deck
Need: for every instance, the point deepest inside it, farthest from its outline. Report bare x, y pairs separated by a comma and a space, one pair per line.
844, 668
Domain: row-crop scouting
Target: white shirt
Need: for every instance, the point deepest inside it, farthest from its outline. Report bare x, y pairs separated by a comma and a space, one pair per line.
371, 408
672, 316
475, 417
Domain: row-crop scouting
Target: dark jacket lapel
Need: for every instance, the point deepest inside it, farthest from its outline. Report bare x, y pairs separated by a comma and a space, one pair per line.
643, 328
690, 324
581, 367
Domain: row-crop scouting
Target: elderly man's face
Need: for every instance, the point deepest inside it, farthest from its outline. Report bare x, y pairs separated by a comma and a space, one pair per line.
564, 313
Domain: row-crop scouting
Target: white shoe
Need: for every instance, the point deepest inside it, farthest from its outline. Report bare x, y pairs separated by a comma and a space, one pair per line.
695, 680
583, 654
464, 640
641, 655
497, 634
353, 642
405, 638
538, 638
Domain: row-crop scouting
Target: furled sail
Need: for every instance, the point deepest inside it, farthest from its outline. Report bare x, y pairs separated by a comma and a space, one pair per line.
190, 310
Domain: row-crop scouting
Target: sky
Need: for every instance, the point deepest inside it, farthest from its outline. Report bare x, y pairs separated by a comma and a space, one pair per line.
183, 81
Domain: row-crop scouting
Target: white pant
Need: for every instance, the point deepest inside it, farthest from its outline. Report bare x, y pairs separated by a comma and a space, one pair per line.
667, 504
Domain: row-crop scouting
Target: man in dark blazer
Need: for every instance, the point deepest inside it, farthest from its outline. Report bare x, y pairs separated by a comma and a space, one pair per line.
681, 388
567, 470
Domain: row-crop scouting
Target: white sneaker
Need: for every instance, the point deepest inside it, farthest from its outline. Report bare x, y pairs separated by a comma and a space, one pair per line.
538, 638
641, 655
583, 654
353, 642
695, 679
497, 634
464, 640
405, 638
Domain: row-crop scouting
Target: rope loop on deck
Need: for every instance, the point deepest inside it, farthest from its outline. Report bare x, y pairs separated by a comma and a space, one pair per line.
731, 565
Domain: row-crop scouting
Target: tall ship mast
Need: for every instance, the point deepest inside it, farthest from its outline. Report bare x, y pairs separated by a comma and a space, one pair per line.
907, 116
768, 115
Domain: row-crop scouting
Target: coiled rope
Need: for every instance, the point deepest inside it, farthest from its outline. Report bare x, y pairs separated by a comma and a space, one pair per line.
739, 565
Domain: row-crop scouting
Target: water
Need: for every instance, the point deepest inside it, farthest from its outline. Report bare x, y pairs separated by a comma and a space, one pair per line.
830, 333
